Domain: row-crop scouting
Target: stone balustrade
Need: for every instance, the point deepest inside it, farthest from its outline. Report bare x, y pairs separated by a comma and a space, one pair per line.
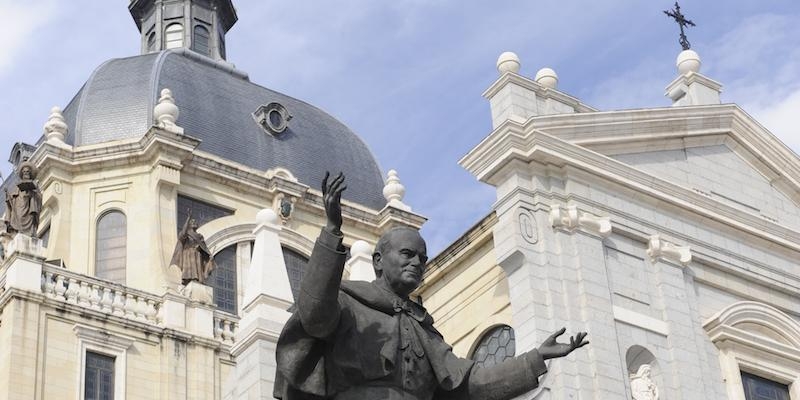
100, 295
172, 310
225, 325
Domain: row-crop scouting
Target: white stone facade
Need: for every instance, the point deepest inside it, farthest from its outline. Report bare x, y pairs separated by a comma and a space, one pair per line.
702, 205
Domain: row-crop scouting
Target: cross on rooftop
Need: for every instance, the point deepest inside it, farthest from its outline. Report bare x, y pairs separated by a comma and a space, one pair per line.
682, 22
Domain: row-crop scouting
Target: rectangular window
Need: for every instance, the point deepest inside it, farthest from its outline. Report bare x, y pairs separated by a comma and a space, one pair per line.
202, 212
99, 377
758, 388
45, 236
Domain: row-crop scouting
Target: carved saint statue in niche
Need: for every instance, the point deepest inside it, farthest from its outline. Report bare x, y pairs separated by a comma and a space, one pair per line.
191, 254
642, 385
24, 203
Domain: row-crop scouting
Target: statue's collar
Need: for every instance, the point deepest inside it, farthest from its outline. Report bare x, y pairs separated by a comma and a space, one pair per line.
384, 300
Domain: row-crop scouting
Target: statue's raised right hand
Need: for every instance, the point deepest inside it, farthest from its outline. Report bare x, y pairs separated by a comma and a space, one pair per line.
332, 197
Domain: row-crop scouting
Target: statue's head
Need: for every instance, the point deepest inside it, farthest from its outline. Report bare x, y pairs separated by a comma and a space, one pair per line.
193, 223
27, 171
644, 371
399, 259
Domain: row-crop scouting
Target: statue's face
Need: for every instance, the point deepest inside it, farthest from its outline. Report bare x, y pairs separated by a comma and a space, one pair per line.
25, 173
193, 223
403, 261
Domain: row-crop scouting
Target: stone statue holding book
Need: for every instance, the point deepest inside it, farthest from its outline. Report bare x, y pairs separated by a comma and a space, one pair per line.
23, 203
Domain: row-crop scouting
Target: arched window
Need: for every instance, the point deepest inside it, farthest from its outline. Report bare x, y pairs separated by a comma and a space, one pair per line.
174, 36
495, 346
200, 40
151, 41
223, 280
295, 265
111, 247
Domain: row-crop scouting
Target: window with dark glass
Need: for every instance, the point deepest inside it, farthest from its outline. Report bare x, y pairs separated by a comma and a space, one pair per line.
758, 388
45, 236
200, 40
495, 346
151, 41
111, 247
223, 280
221, 39
173, 36
98, 377
202, 212
295, 265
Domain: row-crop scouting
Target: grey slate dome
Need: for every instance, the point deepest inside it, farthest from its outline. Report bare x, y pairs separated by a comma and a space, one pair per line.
216, 106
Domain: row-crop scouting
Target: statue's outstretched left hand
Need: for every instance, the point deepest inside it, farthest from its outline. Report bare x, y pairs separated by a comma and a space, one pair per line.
552, 349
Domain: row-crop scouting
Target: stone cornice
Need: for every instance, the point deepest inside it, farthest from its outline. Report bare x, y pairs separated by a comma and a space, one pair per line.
512, 142
690, 78
634, 131
705, 254
723, 331
536, 87
467, 243
178, 152
258, 183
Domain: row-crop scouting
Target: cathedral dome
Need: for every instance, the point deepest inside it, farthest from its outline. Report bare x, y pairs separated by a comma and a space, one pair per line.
232, 116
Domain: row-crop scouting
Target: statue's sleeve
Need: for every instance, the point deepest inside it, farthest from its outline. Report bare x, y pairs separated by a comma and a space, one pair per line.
36, 202
503, 381
317, 300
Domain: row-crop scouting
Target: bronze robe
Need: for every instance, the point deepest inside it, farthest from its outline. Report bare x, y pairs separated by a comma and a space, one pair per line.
357, 340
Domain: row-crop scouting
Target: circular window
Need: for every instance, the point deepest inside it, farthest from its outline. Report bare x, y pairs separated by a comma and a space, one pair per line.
273, 117
495, 346
276, 120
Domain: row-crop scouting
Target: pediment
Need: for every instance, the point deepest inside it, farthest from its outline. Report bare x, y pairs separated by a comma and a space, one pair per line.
718, 151
721, 172
590, 143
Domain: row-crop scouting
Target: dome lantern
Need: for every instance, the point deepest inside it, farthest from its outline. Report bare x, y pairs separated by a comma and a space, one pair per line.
197, 25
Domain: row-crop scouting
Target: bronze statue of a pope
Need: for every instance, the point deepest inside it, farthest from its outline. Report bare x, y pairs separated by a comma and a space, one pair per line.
367, 340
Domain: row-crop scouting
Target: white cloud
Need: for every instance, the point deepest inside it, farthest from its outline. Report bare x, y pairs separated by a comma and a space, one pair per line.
758, 61
782, 118
18, 22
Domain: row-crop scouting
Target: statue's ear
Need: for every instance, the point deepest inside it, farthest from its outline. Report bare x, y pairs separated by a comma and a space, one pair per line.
376, 261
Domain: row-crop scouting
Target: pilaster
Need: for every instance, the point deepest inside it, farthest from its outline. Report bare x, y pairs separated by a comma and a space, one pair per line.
266, 300
684, 378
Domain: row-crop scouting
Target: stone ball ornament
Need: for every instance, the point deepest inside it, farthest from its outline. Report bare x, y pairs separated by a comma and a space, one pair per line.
547, 78
267, 217
362, 248
166, 112
508, 62
688, 61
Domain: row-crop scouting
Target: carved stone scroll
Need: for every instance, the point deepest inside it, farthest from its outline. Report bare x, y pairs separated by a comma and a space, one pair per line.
571, 218
660, 249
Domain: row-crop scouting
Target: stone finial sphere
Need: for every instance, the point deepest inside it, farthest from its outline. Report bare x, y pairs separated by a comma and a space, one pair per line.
547, 78
362, 248
56, 127
688, 60
166, 111
508, 62
393, 190
267, 216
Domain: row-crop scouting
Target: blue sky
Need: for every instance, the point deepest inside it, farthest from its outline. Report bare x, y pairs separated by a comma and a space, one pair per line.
407, 75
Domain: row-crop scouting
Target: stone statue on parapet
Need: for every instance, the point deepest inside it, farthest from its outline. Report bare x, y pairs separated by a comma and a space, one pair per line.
23, 203
191, 254
367, 340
